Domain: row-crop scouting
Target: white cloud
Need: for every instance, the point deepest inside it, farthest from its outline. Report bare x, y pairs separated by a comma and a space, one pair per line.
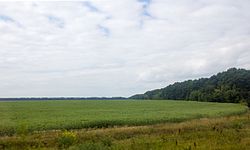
117, 48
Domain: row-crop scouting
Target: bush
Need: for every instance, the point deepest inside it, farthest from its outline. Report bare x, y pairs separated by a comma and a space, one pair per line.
66, 139
244, 102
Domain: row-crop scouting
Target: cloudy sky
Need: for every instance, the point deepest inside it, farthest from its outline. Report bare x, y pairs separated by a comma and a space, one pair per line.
117, 47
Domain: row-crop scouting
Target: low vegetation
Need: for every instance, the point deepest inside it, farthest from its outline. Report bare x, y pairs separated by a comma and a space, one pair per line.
22, 117
231, 132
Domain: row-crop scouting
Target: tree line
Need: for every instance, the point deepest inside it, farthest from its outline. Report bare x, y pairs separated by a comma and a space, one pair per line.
60, 98
231, 86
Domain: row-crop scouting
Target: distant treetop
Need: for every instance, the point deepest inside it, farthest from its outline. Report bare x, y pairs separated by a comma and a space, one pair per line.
231, 86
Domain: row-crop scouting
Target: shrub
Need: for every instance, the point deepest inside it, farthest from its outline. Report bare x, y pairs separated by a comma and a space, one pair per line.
66, 139
244, 102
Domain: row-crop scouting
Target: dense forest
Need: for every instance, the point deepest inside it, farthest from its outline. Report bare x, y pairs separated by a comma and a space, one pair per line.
231, 86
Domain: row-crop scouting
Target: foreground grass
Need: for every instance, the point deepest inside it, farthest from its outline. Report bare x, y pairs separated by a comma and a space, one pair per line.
17, 117
232, 132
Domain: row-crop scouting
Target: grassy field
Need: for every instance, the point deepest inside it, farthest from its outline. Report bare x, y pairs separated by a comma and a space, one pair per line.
28, 116
223, 133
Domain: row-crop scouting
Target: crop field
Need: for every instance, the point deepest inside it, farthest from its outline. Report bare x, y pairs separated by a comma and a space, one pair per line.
17, 116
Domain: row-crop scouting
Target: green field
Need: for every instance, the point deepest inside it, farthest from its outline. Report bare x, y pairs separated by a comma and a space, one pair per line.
47, 115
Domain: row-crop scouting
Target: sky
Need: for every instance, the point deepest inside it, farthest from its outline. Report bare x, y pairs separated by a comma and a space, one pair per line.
117, 47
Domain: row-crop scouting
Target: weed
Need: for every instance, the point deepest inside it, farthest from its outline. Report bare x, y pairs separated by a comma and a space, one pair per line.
66, 139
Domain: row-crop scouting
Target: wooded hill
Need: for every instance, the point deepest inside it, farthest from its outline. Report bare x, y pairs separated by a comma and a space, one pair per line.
231, 86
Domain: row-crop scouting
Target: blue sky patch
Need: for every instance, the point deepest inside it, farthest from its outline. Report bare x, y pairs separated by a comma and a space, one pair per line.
56, 21
145, 6
6, 18
104, 30
145, 1
145, 13
90, 6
